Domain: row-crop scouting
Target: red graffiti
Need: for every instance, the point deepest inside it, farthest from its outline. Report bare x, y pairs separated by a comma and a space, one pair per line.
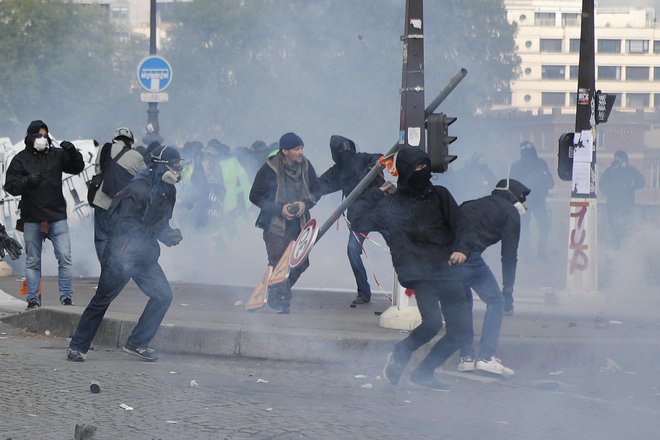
577, 246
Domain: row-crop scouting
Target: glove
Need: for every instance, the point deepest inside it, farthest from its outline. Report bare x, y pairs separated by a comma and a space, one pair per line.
508, 301
8, 244
170, 237
33, 180
67, 146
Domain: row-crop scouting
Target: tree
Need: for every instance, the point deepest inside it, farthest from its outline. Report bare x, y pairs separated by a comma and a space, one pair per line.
61, 62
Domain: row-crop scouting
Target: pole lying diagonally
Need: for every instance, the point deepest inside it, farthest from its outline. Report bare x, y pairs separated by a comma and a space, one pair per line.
359, 189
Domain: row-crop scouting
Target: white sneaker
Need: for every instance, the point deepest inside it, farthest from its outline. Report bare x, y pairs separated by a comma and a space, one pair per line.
466, 364
493, 366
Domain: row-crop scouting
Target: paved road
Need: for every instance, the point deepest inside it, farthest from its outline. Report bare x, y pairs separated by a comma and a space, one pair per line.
44, 397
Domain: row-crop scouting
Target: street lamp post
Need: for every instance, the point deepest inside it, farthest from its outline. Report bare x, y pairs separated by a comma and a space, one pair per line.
153, 128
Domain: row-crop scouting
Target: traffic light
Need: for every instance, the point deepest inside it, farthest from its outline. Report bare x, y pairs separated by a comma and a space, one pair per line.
565, 157
438, 141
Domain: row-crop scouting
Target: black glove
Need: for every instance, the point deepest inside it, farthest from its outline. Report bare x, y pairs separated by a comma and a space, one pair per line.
170, 237
33, 180
8, 244
508, 301
67, 146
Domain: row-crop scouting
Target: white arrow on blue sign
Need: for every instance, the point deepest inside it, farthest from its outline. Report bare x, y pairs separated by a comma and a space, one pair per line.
154, 74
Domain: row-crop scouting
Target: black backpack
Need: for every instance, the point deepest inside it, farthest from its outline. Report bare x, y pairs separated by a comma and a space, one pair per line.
115, 177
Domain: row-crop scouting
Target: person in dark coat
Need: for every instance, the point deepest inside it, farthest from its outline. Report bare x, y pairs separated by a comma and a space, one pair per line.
534, 172
422, 222
285, 189
35, 174
349, 169
139, 215
484, 222
619, 183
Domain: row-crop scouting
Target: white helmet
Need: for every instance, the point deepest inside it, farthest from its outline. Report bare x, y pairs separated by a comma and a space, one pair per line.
123, 132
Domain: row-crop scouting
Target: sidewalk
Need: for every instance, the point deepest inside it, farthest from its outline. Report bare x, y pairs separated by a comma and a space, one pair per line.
211, 320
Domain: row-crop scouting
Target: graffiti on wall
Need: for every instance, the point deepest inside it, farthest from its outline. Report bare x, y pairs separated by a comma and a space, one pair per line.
578, 258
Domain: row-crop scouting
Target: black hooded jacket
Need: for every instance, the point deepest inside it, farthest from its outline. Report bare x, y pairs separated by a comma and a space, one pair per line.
487, 220
422, 225
45, 200
349, 169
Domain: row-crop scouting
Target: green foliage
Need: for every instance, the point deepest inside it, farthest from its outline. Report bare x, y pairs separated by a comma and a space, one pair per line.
61, 63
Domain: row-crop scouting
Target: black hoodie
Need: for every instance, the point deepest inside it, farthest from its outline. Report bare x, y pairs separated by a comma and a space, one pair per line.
349, 169
422, 226
45, 201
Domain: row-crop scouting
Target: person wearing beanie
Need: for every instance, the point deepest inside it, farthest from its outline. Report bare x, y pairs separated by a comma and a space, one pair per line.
484, 222
534, 171
422, 222
619, 183
285, 189
139, 217
35, 174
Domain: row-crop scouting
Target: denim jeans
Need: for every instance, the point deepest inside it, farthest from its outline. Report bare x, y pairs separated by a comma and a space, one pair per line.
431, 295
101, 230
478, 277
58, 234
354, 251
117, 268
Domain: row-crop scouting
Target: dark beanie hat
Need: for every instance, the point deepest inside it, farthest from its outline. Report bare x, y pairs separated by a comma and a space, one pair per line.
290, 140
35, 126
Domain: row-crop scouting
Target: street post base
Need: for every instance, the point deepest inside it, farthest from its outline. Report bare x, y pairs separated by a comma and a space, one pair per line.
404, 318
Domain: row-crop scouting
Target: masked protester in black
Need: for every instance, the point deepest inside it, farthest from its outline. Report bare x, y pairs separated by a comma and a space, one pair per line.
349, 169
422, 222
139, 215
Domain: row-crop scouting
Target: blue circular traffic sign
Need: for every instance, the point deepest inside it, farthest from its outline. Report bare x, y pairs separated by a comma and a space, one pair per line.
154, 74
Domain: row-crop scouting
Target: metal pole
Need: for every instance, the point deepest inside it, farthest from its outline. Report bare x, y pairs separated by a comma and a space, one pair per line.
153, 127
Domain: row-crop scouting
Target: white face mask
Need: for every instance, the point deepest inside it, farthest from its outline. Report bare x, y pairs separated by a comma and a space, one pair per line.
40, 144
520, 207
170, 176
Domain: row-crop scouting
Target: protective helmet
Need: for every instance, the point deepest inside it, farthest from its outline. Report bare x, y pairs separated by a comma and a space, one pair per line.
123, 132
168, 156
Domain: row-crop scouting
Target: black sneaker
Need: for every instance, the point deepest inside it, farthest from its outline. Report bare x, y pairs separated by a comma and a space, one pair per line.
74, 355
429, 381
145, 353
33, 303
393, 370
65, 301
361, 300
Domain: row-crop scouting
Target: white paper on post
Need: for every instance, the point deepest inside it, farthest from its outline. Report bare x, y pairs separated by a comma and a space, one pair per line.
584, 146
582, 177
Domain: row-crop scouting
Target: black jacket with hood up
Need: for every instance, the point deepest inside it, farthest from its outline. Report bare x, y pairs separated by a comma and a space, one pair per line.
44, 201
349, 169
422, 226
487, 220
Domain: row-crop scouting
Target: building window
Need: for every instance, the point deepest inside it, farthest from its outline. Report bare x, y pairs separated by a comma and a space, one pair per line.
656, 46
637, 100
572, 99
502, 98
637, 73
550, 45
544, 19
570, 19
573, 72
553, 72
527, 98
609, 46
609, 72
528, 71
656, 73
522, 18
553, 99
656, 100
638, 46
655, 175
617, 99
574, 45
528, 44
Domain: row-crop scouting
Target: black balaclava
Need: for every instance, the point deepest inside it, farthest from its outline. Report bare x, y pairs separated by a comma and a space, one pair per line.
409, 179
342, 149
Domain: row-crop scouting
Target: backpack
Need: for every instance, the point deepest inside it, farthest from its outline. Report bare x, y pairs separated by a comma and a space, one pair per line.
115, 177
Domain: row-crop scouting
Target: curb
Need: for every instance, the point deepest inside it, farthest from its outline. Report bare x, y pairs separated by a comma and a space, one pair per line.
335, 346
